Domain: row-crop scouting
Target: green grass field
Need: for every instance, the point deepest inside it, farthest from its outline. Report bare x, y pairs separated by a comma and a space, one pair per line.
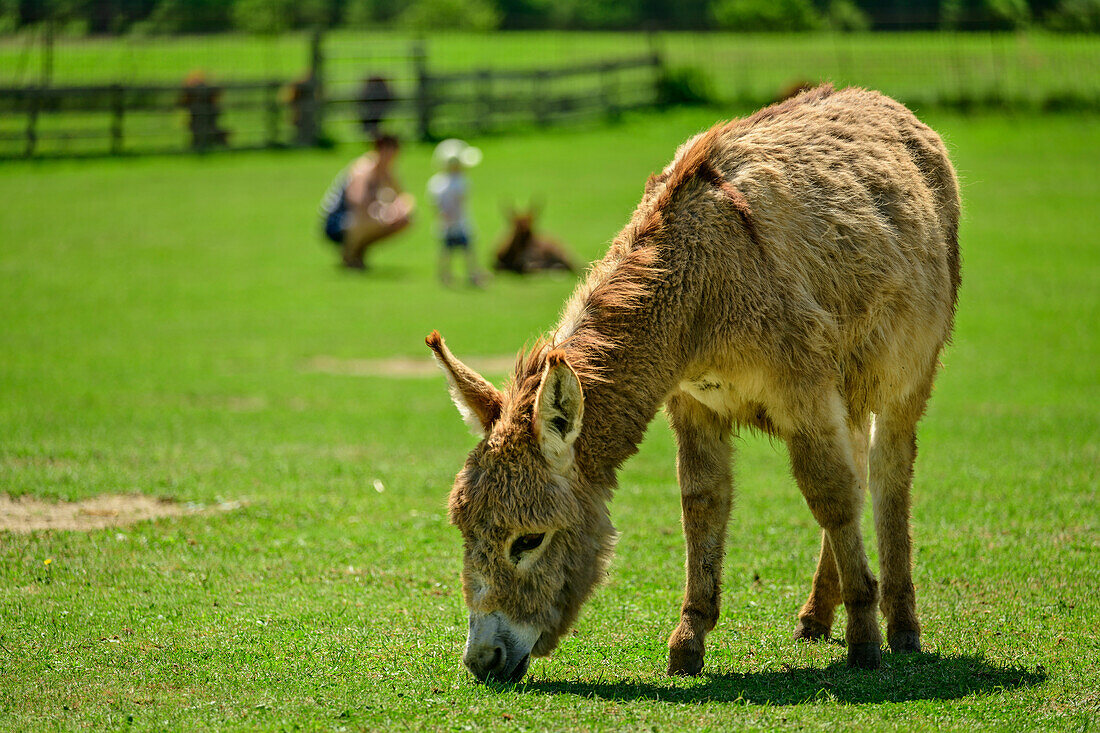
160, 320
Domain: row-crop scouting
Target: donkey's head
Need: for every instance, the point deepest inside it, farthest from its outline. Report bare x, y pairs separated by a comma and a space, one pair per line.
536, 542
523, 221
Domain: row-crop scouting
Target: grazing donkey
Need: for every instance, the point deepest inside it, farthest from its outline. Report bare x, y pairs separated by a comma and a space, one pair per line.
793, 272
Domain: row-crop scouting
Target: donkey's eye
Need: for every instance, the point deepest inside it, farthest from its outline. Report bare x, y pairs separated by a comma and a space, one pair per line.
525, 543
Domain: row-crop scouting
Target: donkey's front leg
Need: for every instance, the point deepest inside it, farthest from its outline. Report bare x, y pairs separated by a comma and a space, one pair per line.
703, 469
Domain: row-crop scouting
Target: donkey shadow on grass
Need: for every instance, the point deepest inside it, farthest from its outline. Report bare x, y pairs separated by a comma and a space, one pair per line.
900, 679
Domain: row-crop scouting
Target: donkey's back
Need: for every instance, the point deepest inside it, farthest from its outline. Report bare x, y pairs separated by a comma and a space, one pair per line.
847, 258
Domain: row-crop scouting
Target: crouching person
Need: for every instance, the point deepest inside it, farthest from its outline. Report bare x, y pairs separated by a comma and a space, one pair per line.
366, 203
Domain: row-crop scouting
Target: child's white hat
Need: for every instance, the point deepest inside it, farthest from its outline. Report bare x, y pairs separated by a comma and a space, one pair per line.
452, 151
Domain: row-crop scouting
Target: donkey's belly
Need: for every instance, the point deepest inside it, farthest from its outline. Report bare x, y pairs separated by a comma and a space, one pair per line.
714, 390
741, 398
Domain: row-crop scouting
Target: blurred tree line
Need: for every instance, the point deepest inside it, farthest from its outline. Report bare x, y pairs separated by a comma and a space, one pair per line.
275, 16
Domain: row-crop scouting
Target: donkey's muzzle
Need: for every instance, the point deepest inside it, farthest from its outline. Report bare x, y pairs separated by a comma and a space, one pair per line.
493, 664
496, 649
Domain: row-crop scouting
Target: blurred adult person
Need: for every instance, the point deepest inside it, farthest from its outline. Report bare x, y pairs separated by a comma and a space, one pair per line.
203, 104
366, 203
373, 104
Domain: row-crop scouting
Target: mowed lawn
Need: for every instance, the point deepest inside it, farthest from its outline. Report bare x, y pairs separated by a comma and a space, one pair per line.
173, 327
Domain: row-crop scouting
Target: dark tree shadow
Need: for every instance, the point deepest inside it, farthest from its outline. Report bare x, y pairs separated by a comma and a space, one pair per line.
901, 678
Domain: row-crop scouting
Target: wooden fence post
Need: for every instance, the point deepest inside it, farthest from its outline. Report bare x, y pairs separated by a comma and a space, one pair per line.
38, 95
47, 52
204, 117
608, 89
658, 62
34, 96
485, 100
118, 109
541, 107
272, 108
423, 92
312, 123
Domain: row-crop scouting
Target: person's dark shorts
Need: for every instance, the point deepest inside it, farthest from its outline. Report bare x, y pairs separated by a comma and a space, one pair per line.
456, 241
336, 223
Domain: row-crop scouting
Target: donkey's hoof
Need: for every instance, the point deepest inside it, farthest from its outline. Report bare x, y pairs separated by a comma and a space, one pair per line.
905, 641
810, 630
684, 663
865, 655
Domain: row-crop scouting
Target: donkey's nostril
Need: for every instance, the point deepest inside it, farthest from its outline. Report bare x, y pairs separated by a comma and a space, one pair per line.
487, 661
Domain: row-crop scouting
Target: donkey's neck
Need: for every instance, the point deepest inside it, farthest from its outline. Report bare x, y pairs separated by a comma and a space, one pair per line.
636, 374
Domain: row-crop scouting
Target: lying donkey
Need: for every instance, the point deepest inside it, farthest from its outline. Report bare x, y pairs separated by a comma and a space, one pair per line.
523, 251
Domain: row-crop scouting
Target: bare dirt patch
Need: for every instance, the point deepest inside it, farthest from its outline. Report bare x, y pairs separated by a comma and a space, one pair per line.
403, 366
28, 514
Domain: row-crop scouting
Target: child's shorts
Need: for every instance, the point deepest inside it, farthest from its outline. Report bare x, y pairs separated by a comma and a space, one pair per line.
456, 240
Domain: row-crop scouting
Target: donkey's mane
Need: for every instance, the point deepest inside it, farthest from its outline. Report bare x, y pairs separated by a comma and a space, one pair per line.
614, 285
618, 282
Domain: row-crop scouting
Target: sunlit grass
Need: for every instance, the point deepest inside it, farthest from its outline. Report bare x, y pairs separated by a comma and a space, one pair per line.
158, 318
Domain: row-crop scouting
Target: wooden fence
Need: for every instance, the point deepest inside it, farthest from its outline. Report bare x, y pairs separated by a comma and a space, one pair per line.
429, 104
115, 119
112, 119
488, 99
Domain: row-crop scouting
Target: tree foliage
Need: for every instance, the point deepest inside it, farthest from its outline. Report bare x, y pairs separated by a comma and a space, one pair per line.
985, 14
371, 13
845, 15
766, 15
473, 15
275, 16
1075, 16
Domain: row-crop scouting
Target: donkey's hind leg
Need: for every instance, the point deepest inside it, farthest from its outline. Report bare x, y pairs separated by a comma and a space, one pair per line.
823, 466
815, 620
706, 486
893, 451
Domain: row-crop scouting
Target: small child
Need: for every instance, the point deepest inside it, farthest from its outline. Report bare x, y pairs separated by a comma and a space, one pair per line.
448, 189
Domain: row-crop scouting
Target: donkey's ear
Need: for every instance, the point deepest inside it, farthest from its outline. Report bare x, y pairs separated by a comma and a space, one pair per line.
534, 208
559, 407
477, 401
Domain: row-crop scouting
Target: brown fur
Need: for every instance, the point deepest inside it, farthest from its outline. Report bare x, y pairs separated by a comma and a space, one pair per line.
793, 272
524, 251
